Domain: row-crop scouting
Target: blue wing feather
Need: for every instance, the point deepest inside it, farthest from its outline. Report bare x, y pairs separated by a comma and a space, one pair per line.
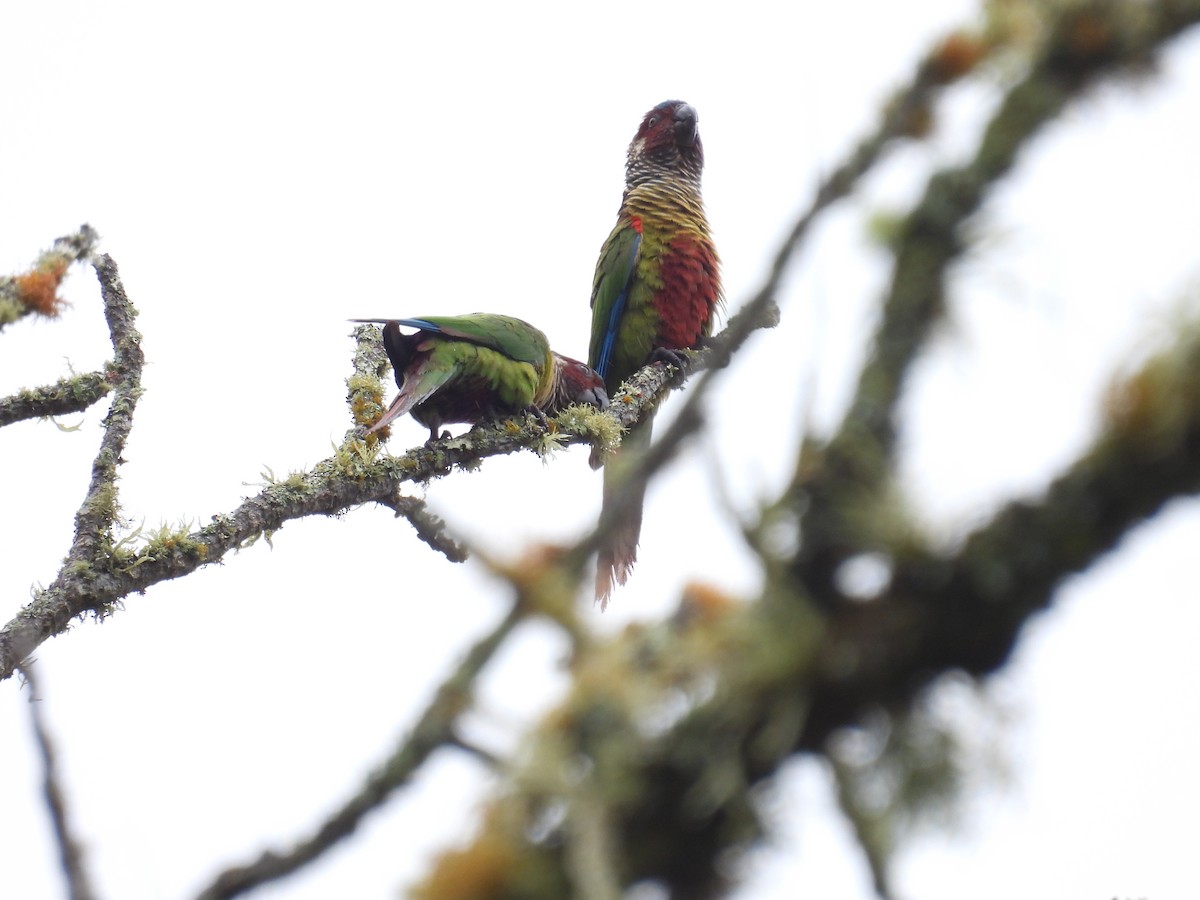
423, 324
604, 361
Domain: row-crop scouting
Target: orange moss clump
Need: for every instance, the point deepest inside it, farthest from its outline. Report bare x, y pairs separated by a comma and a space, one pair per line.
472, 873
954, 57
497, 865
703, 603
366, 408
38, 288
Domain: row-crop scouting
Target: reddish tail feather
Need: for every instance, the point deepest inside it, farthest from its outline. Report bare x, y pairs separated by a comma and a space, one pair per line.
618, 546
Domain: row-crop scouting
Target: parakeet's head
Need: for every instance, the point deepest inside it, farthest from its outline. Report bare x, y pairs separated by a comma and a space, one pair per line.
666, 144
576, 382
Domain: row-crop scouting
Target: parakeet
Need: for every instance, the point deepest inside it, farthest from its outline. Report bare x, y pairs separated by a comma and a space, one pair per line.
479, 366
656, 289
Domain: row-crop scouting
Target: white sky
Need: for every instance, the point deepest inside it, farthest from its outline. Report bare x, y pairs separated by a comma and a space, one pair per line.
263, 173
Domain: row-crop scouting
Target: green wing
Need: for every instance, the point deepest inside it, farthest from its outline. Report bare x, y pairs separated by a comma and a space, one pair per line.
610, 293
513, 337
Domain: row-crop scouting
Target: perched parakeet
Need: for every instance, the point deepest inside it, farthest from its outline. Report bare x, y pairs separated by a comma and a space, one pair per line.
656, 289
480, 366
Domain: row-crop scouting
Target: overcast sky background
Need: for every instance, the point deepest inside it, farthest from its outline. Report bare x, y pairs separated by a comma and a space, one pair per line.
262, 172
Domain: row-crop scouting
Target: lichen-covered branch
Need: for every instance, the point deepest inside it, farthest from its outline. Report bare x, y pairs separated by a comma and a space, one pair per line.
87, 579
36, 291
101, 571
96, 515
429, 528
67, 395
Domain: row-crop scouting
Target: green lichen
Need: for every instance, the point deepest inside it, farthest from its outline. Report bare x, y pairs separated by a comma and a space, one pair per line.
361, 382
601, 429
141, 547
293, 483
550, 441
356, 455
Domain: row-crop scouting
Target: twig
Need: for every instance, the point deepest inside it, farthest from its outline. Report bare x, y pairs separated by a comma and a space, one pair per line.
487, 757
67, 395
430, 528
70, 851
435, 728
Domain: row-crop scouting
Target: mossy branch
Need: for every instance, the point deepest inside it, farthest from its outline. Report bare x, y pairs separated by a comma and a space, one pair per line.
36, 291
67, 395
100, 570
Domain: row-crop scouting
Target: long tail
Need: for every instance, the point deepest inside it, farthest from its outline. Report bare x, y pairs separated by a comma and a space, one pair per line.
417, 379
618, 549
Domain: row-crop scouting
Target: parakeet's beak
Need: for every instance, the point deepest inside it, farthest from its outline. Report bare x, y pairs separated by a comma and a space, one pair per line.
686, 121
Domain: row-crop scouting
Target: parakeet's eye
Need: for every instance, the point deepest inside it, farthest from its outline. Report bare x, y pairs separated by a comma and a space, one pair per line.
652, 121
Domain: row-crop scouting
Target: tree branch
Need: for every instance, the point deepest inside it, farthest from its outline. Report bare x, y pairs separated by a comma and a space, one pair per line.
101, 571
430, 528
70, 851
67, 395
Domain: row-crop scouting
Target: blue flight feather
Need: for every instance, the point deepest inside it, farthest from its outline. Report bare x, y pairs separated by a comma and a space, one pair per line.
614, 317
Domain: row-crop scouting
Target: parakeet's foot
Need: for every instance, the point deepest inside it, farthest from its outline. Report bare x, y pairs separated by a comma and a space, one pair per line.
539, 416
677, 358
434, 437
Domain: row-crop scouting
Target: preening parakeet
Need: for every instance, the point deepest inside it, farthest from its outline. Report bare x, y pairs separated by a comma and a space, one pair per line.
656, 289
480, 366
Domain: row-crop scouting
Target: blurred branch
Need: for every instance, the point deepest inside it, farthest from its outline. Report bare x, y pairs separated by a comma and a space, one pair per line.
70, 851
434, 729
1084, 42
977, 600
590, 853
907, 114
